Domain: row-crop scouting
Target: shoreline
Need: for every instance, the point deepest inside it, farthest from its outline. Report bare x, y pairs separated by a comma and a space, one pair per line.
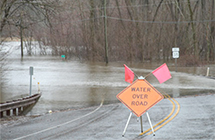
14, 120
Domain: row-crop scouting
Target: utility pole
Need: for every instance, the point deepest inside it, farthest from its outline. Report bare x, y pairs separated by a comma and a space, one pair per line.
105, 26
21, 34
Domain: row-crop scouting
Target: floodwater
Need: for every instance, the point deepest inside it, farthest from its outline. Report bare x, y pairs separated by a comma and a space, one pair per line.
74, 84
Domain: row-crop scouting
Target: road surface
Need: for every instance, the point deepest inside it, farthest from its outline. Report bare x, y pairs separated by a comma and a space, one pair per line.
195, 120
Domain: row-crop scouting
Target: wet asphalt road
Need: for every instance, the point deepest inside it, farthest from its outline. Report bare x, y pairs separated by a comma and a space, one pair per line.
196, 120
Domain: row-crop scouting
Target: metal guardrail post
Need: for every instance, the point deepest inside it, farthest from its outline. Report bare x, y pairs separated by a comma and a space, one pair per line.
8, 112
17, 107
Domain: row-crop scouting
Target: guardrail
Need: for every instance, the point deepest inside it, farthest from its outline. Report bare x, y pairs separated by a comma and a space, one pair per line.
19, 106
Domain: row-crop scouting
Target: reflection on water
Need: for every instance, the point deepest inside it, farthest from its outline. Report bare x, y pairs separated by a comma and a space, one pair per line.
175, 91
72, 84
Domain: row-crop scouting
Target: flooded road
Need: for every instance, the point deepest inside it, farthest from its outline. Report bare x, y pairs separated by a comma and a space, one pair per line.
73, 84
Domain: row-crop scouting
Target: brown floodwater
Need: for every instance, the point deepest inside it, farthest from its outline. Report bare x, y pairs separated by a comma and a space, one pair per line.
74, 84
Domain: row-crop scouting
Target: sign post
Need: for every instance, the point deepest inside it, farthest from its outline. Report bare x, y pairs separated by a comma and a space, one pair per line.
175, 54
141, 124
127, 124
139, 97
150, 123
31, 69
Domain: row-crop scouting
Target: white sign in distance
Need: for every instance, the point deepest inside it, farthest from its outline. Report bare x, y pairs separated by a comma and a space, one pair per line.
175, 49
175, 54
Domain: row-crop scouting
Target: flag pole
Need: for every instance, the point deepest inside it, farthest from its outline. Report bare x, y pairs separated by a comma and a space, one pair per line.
134, 73
148, 74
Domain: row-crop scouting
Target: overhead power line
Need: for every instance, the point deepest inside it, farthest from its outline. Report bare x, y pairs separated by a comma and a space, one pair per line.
163, 22
143, 5
140, 21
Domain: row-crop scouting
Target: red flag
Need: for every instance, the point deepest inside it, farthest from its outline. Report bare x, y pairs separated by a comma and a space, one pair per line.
129, 74
162, 73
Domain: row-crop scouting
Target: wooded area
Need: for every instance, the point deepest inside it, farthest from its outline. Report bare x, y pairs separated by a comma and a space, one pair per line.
114, 30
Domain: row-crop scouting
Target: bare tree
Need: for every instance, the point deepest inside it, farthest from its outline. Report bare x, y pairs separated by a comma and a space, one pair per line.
138, 30
23, 14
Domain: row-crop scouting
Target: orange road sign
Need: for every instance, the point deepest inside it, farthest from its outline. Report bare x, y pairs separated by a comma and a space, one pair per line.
140, 96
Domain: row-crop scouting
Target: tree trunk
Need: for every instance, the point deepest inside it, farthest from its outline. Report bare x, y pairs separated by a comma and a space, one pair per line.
105, 31
196, 50
21, 40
